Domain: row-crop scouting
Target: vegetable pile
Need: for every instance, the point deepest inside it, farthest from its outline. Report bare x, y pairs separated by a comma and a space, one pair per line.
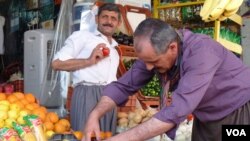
153, 88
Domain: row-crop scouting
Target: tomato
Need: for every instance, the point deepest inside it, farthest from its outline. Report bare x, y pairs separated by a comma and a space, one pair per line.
105, 51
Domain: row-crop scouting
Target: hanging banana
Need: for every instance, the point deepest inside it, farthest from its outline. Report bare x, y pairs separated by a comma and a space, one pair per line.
230, 13
218, 10
234, 4
232, 7
206, 6
211, 5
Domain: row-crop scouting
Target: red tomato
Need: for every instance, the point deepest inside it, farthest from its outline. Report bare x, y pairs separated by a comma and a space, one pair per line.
105, 51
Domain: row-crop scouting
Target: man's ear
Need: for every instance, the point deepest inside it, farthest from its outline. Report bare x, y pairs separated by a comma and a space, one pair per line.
173, 47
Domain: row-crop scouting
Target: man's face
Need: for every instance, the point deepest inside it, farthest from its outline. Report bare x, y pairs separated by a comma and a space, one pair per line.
163, 62
107, 22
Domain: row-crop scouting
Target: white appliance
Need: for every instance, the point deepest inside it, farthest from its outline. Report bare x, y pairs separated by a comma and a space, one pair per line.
37, 50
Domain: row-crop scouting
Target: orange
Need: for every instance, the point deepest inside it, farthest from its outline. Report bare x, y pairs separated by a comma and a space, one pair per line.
42, 109
48, 125
65, 123
53, 117
30, 97
12, 98
108, 135
59, 128
29, 107
35, 105
102, 135
19, 95
24, 101
2, 96
40, 114
19, 103
78, 135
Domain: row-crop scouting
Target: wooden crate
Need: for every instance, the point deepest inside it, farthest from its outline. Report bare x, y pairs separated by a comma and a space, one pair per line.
130, 105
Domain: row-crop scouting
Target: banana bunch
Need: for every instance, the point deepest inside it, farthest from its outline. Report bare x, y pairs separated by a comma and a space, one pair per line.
219, 9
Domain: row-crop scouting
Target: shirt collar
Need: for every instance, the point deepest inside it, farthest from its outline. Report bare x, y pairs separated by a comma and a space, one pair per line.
98, 33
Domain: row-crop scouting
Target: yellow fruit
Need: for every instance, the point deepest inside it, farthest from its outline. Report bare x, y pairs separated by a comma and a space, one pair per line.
15, 107
20, 120
23, 113
13, 114
4, 107
2, 123
5, 102
78, 135
8, 122
49, 134
3, 115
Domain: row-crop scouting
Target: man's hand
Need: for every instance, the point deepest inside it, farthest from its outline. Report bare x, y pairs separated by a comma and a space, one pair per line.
92, 127
97, 53
92, 124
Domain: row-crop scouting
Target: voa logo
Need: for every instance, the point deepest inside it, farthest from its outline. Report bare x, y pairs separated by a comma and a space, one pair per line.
236, 132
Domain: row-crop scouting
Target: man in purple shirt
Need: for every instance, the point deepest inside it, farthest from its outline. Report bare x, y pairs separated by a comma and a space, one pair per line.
198, 74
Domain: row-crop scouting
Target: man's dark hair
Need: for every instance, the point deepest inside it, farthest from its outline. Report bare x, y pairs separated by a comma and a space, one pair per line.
109, 7
159, 33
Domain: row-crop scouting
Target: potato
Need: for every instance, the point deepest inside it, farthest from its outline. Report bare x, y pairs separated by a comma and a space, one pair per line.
137, 118
140, 111
122, 115
132, 124
123, 125
131, 115
122, 121
151, 113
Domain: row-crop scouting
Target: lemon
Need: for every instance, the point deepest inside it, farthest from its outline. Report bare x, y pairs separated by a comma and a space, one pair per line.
15, 107
5, 102
49, 134
8, 122
4, 107
2, 123
20, 120
13, 114
23, 113
3, 114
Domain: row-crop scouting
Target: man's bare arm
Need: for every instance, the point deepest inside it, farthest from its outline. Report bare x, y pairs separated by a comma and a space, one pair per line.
144, 131
71, 64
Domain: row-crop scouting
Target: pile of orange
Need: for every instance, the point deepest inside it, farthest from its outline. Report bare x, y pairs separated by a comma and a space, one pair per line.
54, 123
25, 104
